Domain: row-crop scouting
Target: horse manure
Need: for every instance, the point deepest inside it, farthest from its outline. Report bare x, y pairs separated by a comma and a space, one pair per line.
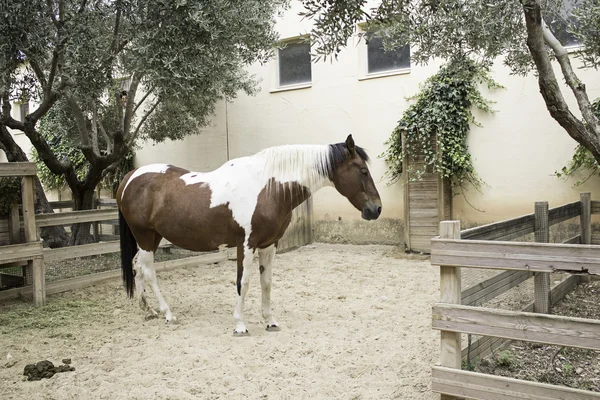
45, 369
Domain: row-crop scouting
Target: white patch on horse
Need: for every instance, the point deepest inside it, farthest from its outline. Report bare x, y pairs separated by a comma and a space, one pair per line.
151, 168
237, 183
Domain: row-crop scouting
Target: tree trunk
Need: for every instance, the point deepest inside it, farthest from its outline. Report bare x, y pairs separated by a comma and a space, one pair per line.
83, 199
54, 236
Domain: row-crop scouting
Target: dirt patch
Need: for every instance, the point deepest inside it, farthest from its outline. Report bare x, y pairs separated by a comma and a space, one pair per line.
356, 324
576, 368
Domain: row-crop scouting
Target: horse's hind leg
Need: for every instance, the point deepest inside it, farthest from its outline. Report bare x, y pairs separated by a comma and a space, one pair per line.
140, 286
244, 261
265, 259
149, 275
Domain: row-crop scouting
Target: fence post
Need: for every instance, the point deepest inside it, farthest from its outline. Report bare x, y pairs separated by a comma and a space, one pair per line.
35, 266
450, 292
585, 218
585, 224
542, 279
95, 229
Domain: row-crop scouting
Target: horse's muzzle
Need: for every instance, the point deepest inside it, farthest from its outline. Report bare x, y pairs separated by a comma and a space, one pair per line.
371, 211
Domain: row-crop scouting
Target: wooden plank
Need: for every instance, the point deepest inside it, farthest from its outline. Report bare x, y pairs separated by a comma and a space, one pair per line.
35, 267
574, 240
94, 279
423, 213
563, 213
475, 385
62, 204
535, 257
485, 345
501, 230
406, 194
17, 169
20, 252
542, 279
423, 221
107, 202
518, 325
595, 207
493, 287
429, 231
423, 185
425, 204
422, 194
450, 291
585, 221
85, 250
75, 217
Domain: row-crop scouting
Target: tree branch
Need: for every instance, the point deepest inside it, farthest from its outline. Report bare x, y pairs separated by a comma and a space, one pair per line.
144, 118
113, 45
142, 100
572, 80
6, 118
82, 6
53, 67
95, 147
52, 13
84, 135
135, 81
38, 73
548, 84
109, 146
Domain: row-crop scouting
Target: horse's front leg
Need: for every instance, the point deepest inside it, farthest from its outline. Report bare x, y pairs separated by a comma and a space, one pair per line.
244, 262
265, 259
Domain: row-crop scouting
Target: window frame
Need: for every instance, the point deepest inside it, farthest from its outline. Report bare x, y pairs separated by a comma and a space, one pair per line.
363, 54
278, 87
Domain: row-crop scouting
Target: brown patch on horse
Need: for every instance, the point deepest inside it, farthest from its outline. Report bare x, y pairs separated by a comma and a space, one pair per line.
273, 212
160, 205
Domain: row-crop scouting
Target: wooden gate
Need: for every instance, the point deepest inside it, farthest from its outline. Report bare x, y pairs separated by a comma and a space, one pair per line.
427, 202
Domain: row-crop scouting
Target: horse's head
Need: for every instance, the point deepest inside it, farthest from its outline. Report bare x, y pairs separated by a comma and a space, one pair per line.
351, 177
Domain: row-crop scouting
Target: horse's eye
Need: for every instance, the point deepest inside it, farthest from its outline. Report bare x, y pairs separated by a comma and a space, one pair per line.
364, 171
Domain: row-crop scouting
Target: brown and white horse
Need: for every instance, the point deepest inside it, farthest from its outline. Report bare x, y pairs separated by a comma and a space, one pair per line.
246, 203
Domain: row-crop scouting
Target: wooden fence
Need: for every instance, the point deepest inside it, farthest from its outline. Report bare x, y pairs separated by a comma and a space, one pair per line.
299, 233
537, 223
452, 252
30, 251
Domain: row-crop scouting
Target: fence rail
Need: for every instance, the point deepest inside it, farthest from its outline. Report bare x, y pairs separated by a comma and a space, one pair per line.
17, 169
452, 253
33, 253
76, 217
472, 385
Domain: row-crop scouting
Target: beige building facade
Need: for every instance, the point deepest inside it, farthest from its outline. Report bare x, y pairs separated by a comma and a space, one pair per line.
516, 152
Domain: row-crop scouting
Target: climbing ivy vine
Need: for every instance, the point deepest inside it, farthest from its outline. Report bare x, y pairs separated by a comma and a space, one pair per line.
442, 109
583, 160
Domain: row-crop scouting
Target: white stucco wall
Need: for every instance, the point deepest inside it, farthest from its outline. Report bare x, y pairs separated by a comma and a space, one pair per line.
516, 151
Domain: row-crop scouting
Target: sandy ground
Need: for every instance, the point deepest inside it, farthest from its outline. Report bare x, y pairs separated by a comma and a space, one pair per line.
356, 324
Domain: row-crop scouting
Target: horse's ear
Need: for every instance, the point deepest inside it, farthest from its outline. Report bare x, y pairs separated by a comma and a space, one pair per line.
350, 144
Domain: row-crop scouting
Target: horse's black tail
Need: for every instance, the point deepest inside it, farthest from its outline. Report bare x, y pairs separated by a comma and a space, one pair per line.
128, 251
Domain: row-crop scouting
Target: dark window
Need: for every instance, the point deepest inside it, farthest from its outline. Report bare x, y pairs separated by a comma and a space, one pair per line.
379, 60
559, 22
294, 64
23, 111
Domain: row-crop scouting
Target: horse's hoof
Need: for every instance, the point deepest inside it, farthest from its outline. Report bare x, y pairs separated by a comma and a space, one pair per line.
170, 319
273, 328
241, 334
151, 315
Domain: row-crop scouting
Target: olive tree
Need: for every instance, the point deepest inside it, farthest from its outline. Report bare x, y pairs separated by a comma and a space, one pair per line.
122, 70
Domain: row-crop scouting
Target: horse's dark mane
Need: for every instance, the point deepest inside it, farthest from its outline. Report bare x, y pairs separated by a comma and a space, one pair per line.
338, 153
